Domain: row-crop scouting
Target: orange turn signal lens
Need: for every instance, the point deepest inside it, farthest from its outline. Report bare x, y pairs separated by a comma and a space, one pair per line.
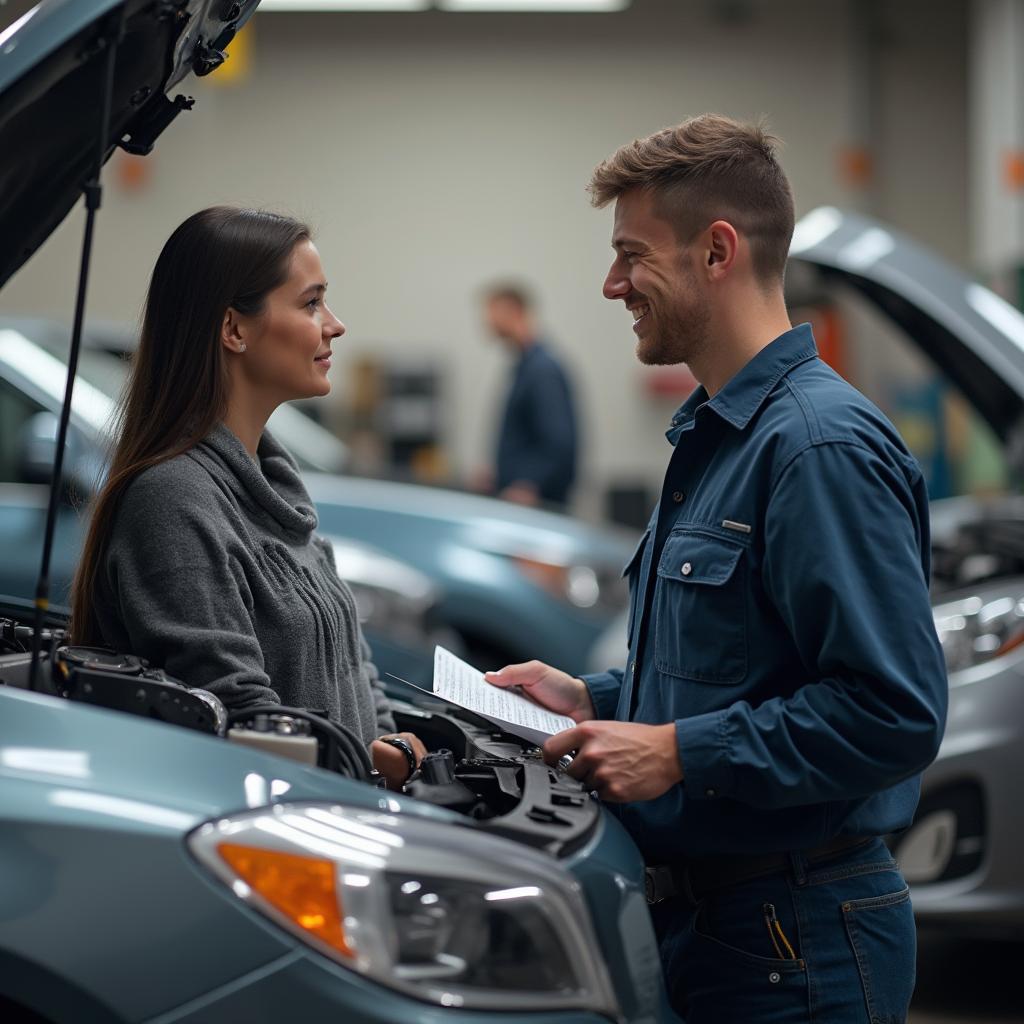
302, 888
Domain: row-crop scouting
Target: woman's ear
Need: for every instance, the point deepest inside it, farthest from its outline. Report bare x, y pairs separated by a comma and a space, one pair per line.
232, 333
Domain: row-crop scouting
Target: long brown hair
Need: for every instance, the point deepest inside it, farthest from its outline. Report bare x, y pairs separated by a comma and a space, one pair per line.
220, 258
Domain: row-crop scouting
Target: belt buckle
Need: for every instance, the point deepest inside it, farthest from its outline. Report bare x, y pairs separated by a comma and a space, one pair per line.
658, 884
666, 881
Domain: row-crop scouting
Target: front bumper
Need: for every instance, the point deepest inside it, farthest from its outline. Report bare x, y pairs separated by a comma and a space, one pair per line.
306, 986
976, 779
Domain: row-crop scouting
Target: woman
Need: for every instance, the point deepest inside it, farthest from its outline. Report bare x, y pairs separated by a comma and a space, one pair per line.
202, 554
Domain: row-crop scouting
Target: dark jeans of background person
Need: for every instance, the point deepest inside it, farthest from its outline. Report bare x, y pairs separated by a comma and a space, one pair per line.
844, 951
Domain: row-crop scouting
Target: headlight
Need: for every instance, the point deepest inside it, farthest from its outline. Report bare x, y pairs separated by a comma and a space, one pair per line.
442, 913
981, 626
583, 586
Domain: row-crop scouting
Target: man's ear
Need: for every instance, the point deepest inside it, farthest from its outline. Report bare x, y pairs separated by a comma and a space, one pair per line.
722, 247
232, 332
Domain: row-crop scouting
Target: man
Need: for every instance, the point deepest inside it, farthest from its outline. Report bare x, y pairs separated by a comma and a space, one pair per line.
535, 461
785, 686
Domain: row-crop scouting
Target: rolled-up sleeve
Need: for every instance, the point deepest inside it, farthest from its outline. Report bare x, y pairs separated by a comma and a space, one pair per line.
845, 564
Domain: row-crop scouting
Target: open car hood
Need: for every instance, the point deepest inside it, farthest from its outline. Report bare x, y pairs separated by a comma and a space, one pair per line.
972, 335
52, 72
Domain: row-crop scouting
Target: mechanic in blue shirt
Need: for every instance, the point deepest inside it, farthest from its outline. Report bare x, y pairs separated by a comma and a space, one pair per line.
535, 458
785, 686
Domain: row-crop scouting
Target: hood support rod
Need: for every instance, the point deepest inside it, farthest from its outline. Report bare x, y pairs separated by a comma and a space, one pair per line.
93, 195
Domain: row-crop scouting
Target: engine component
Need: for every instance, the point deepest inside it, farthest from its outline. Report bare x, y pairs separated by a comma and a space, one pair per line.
102, 677
102, 659
277, 728
283, 735
492, 777
437, 784
438, 768
145, 694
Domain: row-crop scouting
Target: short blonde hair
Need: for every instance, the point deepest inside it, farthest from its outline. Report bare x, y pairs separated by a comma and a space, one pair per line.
708, 168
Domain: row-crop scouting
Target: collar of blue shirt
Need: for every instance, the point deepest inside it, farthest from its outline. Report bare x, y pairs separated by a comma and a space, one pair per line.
742, 396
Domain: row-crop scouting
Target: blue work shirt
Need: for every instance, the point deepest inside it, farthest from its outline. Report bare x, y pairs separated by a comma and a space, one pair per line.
537, 441
780, 617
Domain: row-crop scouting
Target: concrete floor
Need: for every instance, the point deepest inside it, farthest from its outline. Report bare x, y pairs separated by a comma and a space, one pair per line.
968, 982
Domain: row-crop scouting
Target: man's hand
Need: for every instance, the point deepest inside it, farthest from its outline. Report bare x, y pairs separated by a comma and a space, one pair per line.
623, 761
557, 691
392, 762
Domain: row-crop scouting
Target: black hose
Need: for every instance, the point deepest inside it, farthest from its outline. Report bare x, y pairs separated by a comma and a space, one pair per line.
345, 752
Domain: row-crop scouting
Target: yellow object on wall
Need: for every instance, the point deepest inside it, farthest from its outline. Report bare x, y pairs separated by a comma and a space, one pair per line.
238, 65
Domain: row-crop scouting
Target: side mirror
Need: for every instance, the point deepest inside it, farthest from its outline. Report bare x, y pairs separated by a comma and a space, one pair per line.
37, 448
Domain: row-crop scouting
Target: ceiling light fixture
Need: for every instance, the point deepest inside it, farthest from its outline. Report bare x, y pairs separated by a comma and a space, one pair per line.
452, 6
536, 6
344, 5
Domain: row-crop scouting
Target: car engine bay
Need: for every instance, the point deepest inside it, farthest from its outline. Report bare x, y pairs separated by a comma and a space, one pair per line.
497, 781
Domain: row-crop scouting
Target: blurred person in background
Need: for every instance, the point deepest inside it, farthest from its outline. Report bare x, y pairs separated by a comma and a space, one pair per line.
785, 686
537, 445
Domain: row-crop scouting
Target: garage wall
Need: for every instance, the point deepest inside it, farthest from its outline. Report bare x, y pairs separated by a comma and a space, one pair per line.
922, 123
434, 152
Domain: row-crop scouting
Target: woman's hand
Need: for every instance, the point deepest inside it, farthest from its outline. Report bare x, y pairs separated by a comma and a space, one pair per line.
392, 762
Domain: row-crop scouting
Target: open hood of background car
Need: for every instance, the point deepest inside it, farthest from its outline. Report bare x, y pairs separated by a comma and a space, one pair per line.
969, 332
52, 72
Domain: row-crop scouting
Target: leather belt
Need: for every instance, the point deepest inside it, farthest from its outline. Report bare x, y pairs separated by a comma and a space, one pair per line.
697, 877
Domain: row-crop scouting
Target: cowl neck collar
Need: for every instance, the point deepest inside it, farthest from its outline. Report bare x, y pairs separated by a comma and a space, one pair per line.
269, 484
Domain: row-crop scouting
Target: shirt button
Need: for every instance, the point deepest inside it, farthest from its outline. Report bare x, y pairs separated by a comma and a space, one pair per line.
709, 792
686, 569
632, 668
677, 496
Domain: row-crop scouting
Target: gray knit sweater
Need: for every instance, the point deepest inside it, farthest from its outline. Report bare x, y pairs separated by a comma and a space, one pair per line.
214, 573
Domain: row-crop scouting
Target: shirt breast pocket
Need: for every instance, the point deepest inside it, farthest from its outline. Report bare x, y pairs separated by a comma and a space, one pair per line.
701, 609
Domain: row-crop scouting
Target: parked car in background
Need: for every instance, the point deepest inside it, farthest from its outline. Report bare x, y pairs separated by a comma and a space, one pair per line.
498, 582
962, 853
398, 603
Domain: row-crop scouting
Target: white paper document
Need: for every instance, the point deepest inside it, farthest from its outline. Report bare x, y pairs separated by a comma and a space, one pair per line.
459, 683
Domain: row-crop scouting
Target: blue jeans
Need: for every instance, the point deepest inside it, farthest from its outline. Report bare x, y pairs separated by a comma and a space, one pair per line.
828, 943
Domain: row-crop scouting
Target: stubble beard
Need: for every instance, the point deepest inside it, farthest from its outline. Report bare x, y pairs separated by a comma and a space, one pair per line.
677, 337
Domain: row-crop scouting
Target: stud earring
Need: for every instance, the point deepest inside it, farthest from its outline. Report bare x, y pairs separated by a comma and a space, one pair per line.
241, 348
